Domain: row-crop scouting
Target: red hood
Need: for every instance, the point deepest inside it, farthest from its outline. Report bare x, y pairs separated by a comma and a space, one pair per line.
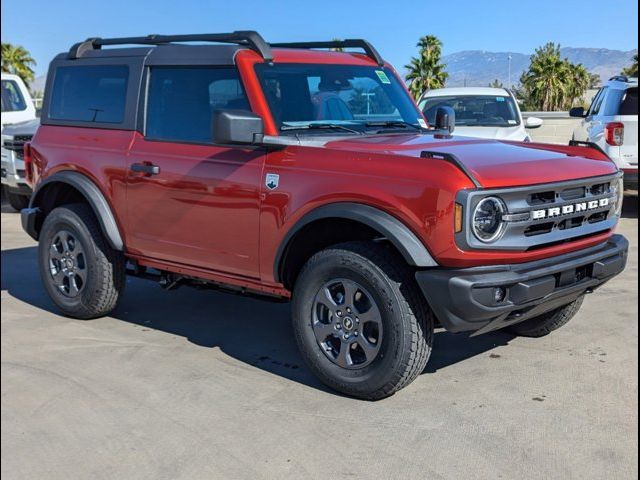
492, 163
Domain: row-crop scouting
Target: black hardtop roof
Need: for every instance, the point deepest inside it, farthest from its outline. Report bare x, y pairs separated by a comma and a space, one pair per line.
174, 44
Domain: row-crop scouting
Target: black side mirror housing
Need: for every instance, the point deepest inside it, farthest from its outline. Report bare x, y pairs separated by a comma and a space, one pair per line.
445, 119
577, 112
237, 127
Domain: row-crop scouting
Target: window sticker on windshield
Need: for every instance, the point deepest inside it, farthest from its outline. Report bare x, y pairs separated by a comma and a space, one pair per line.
500, 99
512, 122
422, 123
383, 76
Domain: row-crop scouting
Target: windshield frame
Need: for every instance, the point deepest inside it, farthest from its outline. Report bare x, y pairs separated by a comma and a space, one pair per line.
508, 99
358, 126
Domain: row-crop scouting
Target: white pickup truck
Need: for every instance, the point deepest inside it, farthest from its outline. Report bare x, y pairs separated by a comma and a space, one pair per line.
611, 122
17, 105
19, 123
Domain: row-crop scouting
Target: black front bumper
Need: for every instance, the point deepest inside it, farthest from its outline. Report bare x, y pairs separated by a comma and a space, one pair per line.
464, 300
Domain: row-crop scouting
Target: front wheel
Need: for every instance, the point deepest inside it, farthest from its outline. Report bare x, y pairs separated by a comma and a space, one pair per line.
360, 321
82, 274
548, 322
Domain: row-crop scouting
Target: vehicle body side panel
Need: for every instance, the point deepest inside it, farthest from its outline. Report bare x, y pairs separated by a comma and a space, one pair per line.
98, 154
201, 209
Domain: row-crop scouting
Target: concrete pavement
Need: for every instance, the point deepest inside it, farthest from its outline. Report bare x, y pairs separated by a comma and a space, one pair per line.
200, 385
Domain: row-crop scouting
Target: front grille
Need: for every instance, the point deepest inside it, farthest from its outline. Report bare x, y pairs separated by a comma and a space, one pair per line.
546, 215
17, 144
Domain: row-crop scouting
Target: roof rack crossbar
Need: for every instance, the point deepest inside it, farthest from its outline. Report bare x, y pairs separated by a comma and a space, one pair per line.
247, 38
620, 78
369, 50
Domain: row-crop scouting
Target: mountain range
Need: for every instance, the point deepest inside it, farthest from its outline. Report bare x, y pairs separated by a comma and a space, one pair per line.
479, 68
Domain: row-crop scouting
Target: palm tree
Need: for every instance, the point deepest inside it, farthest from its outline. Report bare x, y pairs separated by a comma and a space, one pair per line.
496, 84
578, 83
16, 59
337, 49
547, 83
632, 71
426, 72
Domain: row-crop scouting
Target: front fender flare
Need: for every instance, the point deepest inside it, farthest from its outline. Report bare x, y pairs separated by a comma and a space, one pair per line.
407, 243
94, 197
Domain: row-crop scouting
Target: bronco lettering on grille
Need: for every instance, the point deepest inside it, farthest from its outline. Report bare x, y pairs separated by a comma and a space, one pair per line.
569, 209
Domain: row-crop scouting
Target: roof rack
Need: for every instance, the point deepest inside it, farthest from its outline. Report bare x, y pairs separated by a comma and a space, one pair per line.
248, 38
624, 78
369, 50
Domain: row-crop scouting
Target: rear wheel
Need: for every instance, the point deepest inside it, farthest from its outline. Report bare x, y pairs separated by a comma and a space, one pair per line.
82, 274
548, 322
17, 201
359, 320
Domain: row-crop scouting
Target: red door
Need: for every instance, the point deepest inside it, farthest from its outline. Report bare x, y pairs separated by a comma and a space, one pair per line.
190, 201
195, 204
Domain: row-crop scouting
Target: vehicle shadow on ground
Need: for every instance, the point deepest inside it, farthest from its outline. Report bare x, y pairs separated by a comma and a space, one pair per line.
253, 331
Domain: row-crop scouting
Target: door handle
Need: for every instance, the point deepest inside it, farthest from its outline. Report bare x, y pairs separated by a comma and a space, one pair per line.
146, 168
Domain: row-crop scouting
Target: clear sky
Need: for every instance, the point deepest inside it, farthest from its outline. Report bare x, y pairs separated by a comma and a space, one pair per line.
48, 27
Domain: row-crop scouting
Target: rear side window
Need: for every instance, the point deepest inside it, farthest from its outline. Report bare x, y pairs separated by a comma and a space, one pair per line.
12, 99
629, 103
90, 93
181, 101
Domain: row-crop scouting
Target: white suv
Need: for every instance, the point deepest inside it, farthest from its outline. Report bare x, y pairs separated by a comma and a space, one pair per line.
480, 112
612, 124
17, 105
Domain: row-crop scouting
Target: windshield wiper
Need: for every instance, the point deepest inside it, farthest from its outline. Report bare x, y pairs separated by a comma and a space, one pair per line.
393, 124
320, 126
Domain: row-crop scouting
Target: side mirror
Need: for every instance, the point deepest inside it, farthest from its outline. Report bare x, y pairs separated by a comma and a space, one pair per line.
533, 122
445, 119
237, 126
577, 112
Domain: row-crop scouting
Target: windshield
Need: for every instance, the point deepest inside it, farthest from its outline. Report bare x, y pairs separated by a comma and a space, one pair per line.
340, 98
475, 110
12, 99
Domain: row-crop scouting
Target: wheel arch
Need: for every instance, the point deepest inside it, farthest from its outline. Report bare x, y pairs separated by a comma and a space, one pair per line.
56, 189
372, 220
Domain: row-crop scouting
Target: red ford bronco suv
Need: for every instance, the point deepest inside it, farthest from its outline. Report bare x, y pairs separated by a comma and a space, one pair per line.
290, 171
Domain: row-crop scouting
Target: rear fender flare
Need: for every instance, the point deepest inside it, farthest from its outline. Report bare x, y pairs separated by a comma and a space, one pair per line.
94, 197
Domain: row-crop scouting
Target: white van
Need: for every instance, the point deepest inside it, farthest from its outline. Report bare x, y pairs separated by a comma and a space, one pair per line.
17, 105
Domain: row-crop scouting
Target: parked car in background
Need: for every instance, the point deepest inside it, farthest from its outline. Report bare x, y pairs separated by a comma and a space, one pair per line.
480, 112
17, 104
611, 122
14, 182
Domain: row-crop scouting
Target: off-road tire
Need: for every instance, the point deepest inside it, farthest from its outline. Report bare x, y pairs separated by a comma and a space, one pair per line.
407, 321
17, 201
548, 322
105, 267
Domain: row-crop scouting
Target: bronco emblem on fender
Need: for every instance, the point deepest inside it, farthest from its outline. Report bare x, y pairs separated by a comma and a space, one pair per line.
272, 180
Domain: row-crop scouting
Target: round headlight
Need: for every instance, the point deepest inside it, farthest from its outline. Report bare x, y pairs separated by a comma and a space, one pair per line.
618, 191
487, 221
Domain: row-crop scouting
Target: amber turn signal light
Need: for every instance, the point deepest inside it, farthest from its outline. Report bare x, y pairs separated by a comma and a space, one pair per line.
458, 218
